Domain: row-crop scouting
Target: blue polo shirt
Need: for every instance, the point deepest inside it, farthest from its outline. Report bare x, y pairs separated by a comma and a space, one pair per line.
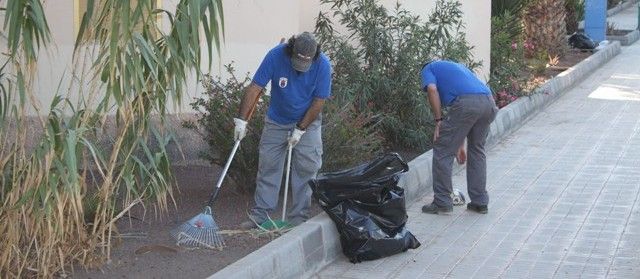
452, 80
292, 92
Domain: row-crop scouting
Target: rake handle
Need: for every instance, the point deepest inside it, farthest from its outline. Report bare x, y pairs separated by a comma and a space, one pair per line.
233, 153
224, 173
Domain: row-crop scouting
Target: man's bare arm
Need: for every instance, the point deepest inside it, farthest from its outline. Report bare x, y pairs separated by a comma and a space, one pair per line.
311, 114
434, 101
251, 95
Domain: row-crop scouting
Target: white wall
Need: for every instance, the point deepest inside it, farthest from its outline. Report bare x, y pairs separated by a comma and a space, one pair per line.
252, 28
477, 21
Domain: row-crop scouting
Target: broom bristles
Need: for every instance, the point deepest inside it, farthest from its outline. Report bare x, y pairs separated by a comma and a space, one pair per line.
199, 232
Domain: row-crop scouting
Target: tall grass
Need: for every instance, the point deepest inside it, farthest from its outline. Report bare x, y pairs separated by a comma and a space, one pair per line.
60, 197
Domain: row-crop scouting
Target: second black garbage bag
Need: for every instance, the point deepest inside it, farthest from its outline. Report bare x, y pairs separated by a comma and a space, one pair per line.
368, 208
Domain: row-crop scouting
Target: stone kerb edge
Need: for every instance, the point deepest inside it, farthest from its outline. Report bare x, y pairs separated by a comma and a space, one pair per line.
627, 39
309, 247
298, 253
620, 7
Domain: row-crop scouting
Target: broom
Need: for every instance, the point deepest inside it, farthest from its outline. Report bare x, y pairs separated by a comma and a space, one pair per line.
202, 230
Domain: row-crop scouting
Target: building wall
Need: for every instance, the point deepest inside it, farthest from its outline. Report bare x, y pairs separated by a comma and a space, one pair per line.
251, 28
254, 26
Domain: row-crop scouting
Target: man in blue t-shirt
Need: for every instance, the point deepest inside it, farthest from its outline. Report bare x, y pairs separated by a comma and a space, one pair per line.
300, 77
471, 109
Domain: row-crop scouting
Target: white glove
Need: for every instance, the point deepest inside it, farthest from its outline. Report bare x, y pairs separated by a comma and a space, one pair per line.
295, 136
240, 130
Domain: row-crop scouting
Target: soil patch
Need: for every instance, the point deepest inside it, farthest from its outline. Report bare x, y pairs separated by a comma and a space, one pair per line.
145, 249
568, 60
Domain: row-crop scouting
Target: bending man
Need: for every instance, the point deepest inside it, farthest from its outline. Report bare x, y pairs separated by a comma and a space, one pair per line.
300, 77
471, 109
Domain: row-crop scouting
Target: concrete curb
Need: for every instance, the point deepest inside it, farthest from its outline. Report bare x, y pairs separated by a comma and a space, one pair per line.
627, 39
309, 247
621, 7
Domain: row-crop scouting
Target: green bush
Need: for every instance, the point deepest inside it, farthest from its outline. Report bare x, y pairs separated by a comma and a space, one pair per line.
377, 62
575, 13
348, 137
510, 11
216, 109
507, 60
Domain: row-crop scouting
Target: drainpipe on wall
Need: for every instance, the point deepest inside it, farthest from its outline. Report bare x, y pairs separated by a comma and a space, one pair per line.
595, 19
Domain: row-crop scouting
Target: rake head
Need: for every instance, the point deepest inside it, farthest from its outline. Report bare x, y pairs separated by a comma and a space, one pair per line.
199, 232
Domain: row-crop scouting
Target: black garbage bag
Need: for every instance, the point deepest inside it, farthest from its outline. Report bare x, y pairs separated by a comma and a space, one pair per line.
581, 41
368, 208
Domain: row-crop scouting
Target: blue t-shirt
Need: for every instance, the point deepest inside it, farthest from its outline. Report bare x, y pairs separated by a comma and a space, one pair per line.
292, 92
452, 80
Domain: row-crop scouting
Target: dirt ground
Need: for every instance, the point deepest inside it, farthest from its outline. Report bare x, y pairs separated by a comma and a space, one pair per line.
145, 249
569, 59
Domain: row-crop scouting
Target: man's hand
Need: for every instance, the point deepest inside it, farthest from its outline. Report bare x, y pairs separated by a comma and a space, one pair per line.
240, 130
295, 136
461, 156
436, 131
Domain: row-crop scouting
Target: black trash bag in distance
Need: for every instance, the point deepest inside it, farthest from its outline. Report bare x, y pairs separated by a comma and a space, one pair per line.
368, 208
581, 41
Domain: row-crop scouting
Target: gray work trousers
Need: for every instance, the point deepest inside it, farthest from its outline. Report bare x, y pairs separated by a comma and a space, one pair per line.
306, 160
468, 117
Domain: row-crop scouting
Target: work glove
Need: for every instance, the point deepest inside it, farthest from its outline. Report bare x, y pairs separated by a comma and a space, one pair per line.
295, 136
240, 130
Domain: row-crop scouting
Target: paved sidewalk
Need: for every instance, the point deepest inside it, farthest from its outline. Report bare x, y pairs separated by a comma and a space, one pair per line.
564, 196
626, 19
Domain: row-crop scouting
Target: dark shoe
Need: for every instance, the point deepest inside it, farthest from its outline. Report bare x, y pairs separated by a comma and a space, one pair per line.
433, 208
248, 225
482, 209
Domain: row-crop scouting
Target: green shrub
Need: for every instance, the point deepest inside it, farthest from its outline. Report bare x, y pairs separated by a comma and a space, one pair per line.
216, 109
509, 11
349, 137
507, 60
575, 13
377, 62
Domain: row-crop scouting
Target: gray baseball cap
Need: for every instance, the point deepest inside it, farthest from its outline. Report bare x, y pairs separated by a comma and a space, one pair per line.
304, 49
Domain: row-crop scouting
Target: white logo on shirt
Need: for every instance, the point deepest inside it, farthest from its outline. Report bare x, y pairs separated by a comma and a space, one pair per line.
283, 82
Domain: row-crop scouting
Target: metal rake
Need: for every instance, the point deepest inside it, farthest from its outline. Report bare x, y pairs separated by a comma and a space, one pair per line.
202, 231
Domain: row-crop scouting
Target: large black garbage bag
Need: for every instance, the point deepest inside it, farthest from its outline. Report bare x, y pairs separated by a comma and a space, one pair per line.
581, 41
368, 208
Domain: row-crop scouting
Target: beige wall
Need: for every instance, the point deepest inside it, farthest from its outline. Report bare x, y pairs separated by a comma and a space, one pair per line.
252, 28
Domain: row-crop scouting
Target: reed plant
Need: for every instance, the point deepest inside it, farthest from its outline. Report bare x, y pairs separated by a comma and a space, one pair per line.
61, 189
